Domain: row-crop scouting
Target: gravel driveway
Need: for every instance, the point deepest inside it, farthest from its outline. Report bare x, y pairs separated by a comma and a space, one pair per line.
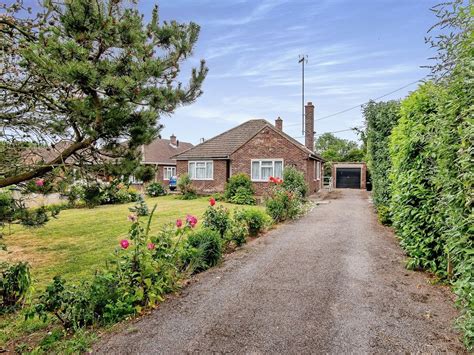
331, 282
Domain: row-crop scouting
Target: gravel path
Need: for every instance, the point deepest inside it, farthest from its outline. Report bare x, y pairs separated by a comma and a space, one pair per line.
332, 282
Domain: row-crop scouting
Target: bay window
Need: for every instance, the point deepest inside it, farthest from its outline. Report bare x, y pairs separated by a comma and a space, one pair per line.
201, 170
263, 169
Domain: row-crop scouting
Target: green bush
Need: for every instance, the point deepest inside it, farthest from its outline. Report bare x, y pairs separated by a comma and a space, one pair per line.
282, 205
239, 190
253, 219
294, 181
217, 219
155, 189
237, 232
92, 195
74, 194
243, 196
7, 207
145, 173
380, 118
207, 244
186, 187
15, 283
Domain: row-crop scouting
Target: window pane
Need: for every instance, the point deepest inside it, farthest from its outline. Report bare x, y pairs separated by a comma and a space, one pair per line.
267, 163
255, 170
200, 172
209, 170
192, 167
278, 169
266, 173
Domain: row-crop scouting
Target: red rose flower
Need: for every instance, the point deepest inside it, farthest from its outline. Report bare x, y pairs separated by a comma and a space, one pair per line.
124, 243
212, 201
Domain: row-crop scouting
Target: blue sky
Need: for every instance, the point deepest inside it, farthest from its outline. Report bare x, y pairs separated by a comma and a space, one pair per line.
357, 50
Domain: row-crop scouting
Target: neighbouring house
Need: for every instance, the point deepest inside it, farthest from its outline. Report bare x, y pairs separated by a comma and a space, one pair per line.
350, 175
159, 154
256, 148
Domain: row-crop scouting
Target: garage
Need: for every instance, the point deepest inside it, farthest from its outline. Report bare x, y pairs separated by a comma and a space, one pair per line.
349, 175
348, 178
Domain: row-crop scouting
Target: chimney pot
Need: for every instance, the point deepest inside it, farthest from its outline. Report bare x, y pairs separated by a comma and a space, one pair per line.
309, 125
173, 140
279, 124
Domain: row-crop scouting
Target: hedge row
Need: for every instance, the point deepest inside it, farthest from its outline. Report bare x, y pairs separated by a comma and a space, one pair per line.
424, 180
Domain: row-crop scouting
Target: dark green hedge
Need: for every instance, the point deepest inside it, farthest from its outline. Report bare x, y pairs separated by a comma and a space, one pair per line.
380, 118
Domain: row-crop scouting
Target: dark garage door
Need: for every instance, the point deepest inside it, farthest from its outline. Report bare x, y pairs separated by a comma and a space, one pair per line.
348, 178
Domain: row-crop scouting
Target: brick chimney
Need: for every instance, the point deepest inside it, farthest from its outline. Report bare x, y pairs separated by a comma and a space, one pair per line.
173, 140
279, 124
309, 126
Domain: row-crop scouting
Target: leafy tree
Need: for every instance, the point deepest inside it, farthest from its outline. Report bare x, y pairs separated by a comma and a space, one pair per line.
334, 149
87, 76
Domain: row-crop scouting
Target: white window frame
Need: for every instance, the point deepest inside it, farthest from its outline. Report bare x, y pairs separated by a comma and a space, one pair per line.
317, 170
196, 162
166, 169
260, 168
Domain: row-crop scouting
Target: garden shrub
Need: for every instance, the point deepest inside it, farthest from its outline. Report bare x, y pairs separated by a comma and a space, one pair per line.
186, 187
15, 283
145, 173
141, 208
294, 181
7, 207
380, 118
92, 195
254, 220
143, 270
282, 204
243, 196
239, 190
217, 219
237, 232
155, 189
207, 244
74, 194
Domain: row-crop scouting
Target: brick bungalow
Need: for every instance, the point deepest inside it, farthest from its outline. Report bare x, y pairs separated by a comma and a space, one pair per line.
159, 154
256, 148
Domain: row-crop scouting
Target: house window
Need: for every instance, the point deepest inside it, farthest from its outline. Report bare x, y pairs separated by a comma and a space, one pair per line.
201, 170
168, 172
262, 170
317, 173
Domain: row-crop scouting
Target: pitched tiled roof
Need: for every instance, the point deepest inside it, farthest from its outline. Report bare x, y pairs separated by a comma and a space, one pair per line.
223, 145
160, 151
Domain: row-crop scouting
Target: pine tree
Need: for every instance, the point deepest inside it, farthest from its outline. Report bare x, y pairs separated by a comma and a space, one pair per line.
87, 76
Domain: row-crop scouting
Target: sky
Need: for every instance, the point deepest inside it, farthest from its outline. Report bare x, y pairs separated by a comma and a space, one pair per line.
357, 50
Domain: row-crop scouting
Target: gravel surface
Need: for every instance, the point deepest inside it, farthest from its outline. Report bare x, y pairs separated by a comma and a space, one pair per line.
331, 282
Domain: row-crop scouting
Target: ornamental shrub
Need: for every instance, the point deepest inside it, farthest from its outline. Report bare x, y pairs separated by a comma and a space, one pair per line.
282, 204
243, 196
155, 189
237, 232
239, 190
254, 220
293, 180
207, 245
186, 187
15, 283
217, 219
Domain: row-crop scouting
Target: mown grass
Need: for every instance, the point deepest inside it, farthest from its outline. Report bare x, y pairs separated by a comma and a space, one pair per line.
76, 244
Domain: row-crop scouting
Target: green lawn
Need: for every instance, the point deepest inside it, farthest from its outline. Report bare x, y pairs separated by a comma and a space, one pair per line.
80, 240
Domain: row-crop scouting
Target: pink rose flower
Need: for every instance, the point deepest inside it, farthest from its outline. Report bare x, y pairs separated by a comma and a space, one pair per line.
150, 246
212, 201
179, 223
192, 221
132, 218
39, 182
124, 243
